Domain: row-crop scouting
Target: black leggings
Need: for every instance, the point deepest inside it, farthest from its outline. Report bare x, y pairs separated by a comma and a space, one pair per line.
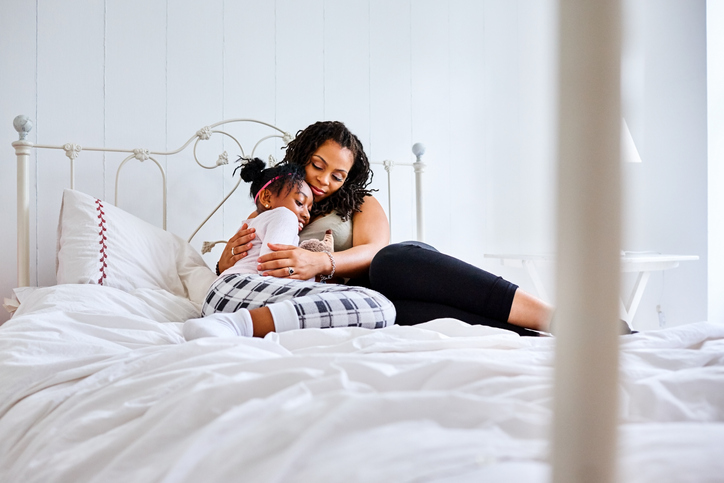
425, 284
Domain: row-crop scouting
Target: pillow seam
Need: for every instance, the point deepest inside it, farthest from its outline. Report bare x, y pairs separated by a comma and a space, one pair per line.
102, 242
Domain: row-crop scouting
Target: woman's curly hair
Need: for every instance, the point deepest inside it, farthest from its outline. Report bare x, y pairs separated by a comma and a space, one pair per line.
347, 199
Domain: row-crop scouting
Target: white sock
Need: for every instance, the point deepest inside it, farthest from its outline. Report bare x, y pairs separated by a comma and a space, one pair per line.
220, 324
284, 315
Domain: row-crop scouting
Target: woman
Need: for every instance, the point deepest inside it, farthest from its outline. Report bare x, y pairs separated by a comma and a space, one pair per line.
422, 283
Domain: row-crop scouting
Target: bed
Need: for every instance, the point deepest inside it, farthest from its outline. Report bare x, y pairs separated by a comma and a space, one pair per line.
99, 385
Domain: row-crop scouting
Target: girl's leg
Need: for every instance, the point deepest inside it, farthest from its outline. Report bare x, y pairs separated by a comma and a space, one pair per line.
283, 304
415, 271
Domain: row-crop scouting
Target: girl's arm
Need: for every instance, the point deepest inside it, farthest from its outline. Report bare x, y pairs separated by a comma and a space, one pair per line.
370, 232
280, 226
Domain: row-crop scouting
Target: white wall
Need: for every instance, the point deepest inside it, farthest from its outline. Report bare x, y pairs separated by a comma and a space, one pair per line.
472, 80
715, 73
666, 195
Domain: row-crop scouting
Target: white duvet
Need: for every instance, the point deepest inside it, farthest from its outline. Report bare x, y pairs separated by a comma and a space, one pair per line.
99, 385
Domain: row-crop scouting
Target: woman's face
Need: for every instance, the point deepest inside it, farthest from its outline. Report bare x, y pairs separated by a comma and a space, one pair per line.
328, 169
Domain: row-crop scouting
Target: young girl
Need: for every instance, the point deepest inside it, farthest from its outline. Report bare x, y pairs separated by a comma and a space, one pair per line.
242, 302
283, 202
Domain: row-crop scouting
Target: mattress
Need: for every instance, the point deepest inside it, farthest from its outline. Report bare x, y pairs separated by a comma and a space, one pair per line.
98, 384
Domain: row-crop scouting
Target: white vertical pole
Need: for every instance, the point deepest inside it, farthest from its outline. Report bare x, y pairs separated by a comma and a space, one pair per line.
418, 149
23, 125
388, 167
586, 320
22, 152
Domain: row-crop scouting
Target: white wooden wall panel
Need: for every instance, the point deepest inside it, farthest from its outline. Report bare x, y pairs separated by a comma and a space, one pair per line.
249, 92
466, 158
715, 87
666, 193
300, 62
537, 120
195, 99
347, 65
70, 94
499, 139
17, 76
430, 109
390, 96
135, 102
502, 140
474, 75
249, 59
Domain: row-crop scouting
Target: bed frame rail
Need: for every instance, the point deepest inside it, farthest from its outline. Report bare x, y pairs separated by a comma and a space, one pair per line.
23, 149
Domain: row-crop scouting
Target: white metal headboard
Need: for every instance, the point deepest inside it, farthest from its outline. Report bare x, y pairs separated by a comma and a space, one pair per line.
23, 149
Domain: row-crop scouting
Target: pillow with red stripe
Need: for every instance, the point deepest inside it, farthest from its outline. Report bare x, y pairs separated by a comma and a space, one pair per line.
101, 244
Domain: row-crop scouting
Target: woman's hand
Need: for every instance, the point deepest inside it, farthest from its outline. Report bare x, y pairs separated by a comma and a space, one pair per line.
237, 247
304, 263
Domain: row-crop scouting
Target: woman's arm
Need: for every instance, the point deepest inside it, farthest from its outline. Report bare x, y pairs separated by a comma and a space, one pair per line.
370, 232
241, 243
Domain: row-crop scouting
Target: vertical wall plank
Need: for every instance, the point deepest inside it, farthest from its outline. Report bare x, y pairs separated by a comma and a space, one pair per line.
501, 141
195, 99
466, 154
300, 62
249, 92
430, 113
17, 56
390, 99
666, 193
135, 102
715, 86
536, 128
70, 109
347, 65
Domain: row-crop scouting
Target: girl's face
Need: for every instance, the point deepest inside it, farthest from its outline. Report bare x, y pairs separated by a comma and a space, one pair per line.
328, 169
298, 200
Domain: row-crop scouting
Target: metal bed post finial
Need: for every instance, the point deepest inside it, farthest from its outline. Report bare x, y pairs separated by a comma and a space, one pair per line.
23, 125
418, 149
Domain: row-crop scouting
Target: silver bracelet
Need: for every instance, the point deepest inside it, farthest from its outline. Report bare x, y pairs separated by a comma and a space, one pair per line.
324, 278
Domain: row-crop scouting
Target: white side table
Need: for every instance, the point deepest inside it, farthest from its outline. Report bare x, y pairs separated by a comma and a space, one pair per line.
643, 264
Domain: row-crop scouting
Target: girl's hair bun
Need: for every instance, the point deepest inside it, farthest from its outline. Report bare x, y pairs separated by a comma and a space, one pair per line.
274, 178
252, 169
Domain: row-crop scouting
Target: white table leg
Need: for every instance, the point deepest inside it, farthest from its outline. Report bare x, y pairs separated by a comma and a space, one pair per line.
535, 277
628, 313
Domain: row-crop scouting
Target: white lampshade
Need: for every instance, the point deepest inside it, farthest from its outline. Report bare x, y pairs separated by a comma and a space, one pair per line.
629, 153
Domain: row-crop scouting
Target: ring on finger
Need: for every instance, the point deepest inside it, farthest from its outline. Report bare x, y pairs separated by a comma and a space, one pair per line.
291, 270
232, 251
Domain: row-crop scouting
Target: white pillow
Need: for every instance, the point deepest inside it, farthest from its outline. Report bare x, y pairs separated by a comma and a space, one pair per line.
101, 244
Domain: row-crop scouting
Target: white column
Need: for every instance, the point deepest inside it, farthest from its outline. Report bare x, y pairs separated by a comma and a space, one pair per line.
22, 152
586, 319
418, 149
23, 125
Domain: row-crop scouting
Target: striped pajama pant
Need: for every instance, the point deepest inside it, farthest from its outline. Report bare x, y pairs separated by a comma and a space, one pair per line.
318, 305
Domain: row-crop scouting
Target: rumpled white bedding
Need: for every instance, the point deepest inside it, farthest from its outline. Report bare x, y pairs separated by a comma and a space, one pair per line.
99, 385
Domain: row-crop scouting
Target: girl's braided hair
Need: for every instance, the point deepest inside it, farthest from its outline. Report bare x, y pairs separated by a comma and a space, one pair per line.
284, 176
348, 199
